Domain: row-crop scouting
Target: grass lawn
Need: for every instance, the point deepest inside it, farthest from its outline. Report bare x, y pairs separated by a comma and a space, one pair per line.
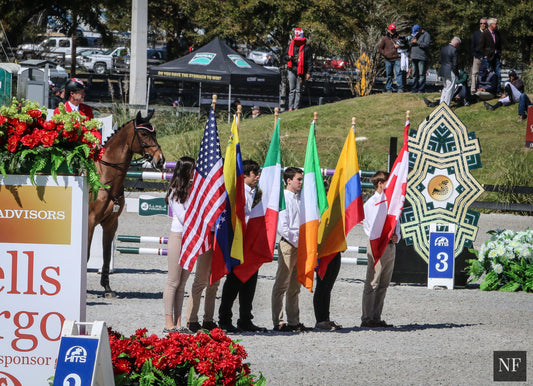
378, 117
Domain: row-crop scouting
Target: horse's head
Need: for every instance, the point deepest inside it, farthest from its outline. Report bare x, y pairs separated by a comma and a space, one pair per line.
146, 143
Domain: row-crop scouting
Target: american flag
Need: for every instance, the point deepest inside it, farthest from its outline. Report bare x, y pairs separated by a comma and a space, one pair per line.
208, 197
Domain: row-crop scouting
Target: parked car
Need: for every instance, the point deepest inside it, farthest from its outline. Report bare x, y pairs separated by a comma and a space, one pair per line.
154, 56
58, 48
260, 56
102, 63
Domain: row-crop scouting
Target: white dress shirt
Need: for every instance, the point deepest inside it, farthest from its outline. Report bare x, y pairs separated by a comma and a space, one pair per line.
249, 194
289, 218
178, 214
375, 204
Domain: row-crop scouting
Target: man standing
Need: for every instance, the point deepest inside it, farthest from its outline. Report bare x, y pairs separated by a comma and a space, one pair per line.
476, 53
419, 57
286, 283
490, 46
233, 285
448, 69
299, 64
388, 48
75, 95
378, 277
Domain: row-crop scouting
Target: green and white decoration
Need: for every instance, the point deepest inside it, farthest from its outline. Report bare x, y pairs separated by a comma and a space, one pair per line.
440, 186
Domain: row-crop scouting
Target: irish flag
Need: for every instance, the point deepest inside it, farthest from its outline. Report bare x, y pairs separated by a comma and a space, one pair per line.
313, 203
394, 193
260, 237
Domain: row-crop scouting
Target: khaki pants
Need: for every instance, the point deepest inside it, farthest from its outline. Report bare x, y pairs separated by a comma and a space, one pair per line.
286, 283
201, 281
176, 279
376, 284
475, 72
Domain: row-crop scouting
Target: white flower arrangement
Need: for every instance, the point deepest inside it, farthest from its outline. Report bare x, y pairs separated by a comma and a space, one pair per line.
505, 262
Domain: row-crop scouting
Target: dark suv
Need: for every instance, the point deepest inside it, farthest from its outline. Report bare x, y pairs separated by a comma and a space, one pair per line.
154, 56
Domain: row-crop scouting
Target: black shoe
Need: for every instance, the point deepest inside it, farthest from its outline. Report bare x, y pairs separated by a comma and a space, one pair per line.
488, 106
250, 327
375, 324
382, 323
194, 326
428, 102
209, 325
229, 328
282, 328
300, 327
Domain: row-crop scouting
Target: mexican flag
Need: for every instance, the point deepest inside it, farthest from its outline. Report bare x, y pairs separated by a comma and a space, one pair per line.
260, 237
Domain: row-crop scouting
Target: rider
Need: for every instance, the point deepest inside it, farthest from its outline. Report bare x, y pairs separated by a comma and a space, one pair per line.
75, 95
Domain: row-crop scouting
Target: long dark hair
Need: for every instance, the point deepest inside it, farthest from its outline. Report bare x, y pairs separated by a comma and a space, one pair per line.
178, 188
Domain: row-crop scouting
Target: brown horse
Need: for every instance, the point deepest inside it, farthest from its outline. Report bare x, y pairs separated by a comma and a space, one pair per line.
136, 136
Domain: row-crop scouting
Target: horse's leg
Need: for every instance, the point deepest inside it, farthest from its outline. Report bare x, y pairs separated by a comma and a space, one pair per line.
92, 225
109, 228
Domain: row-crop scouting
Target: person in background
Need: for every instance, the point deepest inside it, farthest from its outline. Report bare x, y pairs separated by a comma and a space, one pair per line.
388, 48
462, 92
255, 111
299, 60
75, 95
476, 53
513, 88
55, 98
286, 283
233, 286
490, 46
420, 41
448, 70
378, 277
178, 199
486, 83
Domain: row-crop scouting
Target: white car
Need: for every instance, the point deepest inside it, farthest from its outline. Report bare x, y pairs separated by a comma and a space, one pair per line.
103, 63
260, 56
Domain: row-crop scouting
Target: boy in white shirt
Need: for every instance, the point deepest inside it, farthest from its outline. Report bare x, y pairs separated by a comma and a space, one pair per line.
286, 283
377, 278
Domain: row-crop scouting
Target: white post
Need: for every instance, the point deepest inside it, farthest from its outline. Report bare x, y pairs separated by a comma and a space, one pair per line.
139, 35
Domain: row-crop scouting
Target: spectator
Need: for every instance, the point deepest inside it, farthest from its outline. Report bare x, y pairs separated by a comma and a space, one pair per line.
388, 48
55, 98
255, 111
268, 61
448, 70
420, 41
490, 46
513, 88
299, 65
476, 53
487, 83
462, 92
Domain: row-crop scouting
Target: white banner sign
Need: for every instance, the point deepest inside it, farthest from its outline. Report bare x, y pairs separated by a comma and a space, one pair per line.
43, 259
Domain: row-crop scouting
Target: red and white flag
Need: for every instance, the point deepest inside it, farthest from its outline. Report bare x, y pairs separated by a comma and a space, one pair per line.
394, 193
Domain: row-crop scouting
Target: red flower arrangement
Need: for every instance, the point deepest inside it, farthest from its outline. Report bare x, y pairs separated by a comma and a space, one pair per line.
31, 143
207, 358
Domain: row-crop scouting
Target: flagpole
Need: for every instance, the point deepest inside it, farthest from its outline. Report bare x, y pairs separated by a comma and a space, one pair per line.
276, 115
214, 101
239, 114
353, 124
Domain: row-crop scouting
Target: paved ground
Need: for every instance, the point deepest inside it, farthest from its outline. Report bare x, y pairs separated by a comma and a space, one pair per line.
440, 336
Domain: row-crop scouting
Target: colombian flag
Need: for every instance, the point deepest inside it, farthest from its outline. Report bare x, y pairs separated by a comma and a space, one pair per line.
345, 201
230, 225
313, 203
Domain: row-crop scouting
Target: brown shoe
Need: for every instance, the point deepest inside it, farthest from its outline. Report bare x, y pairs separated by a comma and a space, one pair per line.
300, 327
522, 118
282, 327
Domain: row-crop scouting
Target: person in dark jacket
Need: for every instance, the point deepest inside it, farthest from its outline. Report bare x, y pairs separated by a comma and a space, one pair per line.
487, 83
490, 46
299, 64
419, 57
388, 48
476, 53
448, 70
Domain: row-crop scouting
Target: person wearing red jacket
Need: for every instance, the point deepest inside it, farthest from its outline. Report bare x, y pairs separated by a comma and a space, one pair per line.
75, 95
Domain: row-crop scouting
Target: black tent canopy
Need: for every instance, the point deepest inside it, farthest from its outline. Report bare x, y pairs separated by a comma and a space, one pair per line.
217, 63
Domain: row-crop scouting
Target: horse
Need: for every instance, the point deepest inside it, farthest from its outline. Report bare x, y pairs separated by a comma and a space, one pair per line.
136, 136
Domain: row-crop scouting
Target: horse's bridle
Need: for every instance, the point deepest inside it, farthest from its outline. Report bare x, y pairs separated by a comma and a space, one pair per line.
147, 156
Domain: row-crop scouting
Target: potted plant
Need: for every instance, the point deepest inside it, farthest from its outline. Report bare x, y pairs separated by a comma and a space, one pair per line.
31, 142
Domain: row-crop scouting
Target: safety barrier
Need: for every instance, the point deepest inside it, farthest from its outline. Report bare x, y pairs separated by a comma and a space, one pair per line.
164, 240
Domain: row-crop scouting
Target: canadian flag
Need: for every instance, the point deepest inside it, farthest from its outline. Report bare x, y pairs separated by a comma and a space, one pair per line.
394, 193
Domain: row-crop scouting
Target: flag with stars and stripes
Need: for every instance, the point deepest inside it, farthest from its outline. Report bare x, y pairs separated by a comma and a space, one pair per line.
208, 197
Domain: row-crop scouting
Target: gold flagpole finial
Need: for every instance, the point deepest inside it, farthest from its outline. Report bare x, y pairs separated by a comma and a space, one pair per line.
214, 101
